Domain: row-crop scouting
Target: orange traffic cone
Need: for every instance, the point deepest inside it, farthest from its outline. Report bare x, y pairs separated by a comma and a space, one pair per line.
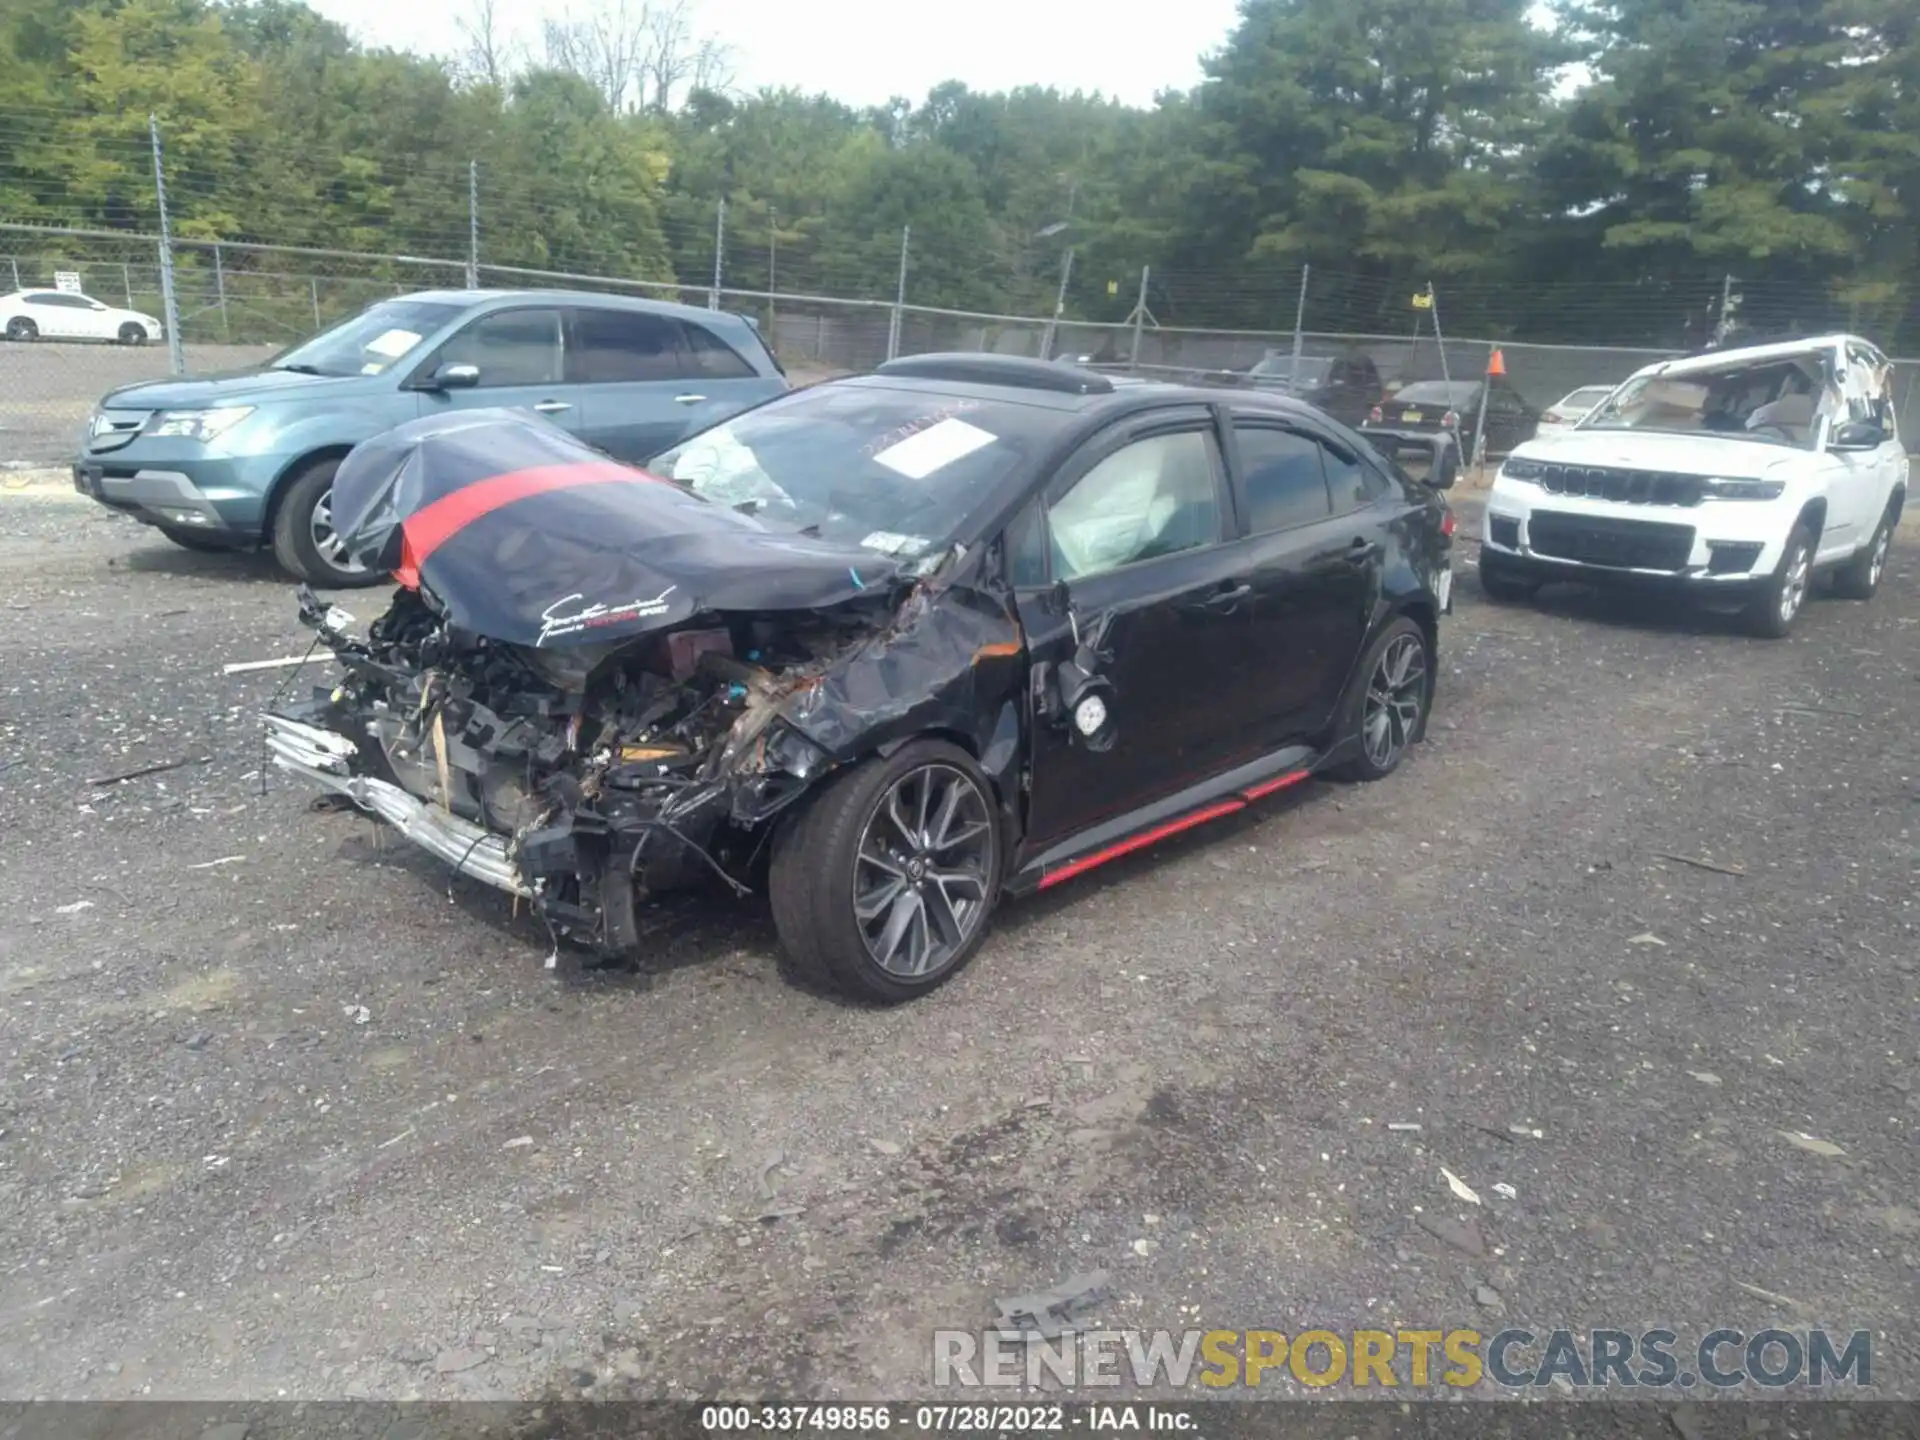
1496, 364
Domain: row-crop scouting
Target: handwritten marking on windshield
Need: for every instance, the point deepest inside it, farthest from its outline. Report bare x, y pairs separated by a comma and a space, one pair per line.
595, 617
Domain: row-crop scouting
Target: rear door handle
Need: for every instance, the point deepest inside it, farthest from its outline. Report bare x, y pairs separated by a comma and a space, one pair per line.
688, 399
552, 407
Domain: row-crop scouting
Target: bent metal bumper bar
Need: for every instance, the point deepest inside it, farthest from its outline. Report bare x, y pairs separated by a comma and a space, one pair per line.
323, 757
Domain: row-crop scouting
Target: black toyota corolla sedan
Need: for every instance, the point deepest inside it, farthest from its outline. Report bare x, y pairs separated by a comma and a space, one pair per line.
892, 646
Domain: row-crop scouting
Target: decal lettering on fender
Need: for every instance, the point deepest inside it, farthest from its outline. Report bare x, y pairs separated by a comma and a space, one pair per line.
596, 616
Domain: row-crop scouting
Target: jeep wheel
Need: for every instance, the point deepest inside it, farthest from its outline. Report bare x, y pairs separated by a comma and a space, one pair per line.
1778, 605
304, 540
1859, 578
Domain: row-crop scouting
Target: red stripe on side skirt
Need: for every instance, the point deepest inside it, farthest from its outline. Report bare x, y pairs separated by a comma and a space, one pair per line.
430, 527
1279, 782
1140, 841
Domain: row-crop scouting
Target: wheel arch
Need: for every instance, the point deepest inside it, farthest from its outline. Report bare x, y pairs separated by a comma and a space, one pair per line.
292, 471
1814, 513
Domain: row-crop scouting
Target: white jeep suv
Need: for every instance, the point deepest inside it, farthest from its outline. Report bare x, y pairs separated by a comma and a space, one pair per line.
1736, 475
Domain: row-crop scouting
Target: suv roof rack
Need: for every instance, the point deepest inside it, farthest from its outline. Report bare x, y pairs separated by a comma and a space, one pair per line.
1019, 371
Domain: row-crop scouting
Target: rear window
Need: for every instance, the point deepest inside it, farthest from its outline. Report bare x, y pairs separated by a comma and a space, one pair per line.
898, 471
1439, 392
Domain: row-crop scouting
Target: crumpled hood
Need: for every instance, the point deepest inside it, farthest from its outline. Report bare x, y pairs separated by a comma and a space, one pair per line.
1731, 457
526, 535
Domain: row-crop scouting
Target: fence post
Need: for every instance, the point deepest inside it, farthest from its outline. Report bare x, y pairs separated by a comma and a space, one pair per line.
1299, 330
899, 295
220, 288
126, 281
313, 290
1486, 394
1059, 306
719, 252
170, 304
1139, 319
473, 224
15, 262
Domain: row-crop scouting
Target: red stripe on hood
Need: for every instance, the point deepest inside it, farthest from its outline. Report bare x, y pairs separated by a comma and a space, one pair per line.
430, 527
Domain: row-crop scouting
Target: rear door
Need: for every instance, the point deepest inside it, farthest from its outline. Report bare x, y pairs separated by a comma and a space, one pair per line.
648, 380
521, 356
1135, 525
1314, 552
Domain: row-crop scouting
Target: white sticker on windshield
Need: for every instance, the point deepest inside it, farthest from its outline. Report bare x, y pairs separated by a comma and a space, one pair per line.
934, 448
392, 343
888, 543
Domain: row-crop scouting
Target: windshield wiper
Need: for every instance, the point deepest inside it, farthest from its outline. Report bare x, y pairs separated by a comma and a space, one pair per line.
301, 369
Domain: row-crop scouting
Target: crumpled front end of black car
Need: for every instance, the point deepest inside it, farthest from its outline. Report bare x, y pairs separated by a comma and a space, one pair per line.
585, 782
592, 689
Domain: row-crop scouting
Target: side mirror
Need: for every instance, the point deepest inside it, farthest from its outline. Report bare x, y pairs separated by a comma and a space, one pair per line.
454, 377
1857, 435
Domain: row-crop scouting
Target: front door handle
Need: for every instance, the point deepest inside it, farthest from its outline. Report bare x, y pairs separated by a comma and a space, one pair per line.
688, 399
1361, 551
552, 407
1224, 600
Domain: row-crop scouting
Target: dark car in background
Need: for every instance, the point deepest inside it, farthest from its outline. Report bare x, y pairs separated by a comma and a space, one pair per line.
1454, 406
1347, 387
892, 646
243, 460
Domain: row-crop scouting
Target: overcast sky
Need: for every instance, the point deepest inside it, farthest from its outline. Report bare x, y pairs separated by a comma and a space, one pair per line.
865, 51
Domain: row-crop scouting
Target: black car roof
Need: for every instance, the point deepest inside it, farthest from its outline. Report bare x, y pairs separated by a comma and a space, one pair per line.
1078, 390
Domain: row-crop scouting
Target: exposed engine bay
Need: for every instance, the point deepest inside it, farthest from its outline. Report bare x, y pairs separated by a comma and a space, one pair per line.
535, 726
613, 772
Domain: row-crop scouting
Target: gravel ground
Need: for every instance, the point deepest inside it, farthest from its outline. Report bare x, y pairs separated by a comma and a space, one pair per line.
282, 1114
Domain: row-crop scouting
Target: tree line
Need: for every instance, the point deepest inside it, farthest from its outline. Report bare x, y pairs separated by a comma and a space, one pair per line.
1633, 172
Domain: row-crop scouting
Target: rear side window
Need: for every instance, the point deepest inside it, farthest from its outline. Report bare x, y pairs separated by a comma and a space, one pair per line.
1282, 478
1352, 482
712, 358
613, 347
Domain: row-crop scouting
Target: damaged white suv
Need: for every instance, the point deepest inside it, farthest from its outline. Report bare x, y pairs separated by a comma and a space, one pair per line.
1737, 476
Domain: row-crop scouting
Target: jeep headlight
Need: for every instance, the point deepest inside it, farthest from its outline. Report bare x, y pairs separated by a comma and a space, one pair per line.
1527, 470
201, 425
1718, 488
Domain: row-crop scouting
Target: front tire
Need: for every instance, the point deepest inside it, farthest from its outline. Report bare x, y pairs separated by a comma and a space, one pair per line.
1385, 712
1778, 605
304, 540
21, 329
1859, 578
883, 885
132, 333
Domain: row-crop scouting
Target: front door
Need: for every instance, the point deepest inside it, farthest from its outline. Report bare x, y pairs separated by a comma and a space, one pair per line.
1135, 527
521, 357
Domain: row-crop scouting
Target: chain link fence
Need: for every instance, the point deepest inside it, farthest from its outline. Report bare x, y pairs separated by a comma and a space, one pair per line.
236, 304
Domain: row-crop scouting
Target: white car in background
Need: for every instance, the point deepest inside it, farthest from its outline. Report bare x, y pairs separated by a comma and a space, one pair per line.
69, 315
1570, 410
1738, 477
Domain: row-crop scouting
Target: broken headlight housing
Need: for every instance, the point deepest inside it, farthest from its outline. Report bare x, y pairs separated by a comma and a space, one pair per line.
1718, 488
1527, 470
790, 751
201, 425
